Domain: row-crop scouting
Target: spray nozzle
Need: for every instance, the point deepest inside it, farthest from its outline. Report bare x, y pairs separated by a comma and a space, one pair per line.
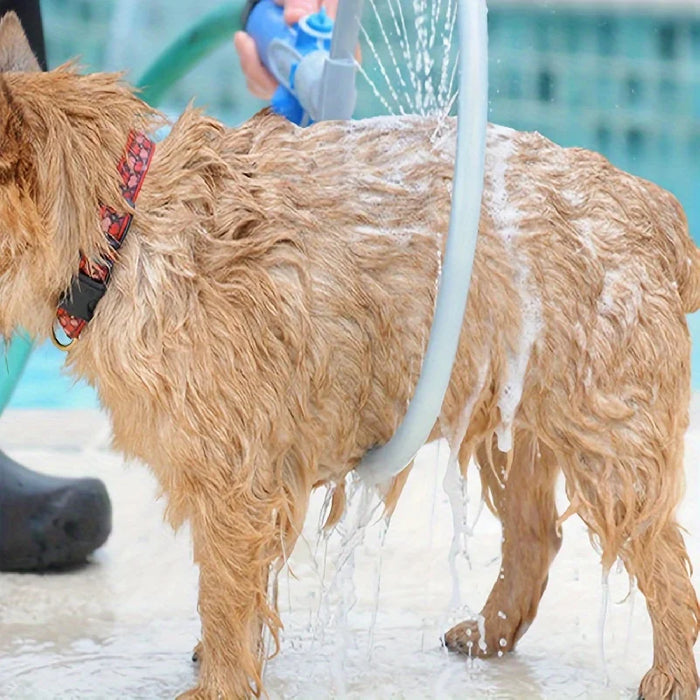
316, 76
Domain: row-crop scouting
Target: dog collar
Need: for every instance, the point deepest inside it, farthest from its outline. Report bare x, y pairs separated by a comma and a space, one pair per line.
77, 305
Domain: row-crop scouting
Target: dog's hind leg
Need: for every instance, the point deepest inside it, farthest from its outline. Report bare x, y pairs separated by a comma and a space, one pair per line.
629, 504
523, 497
660, 563
627, 484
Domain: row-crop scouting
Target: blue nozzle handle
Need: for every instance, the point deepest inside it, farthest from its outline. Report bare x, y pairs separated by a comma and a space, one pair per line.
275, 41
266, 23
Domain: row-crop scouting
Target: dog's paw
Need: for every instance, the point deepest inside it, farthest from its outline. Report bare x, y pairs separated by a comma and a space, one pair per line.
660, 684
466, 638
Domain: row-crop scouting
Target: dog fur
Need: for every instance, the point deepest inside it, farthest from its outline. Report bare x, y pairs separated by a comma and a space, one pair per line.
268, 313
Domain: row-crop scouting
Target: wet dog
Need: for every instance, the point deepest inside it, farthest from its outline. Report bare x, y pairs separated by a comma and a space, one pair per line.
263, 322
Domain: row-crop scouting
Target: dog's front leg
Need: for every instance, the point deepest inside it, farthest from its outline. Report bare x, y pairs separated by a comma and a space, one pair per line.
237, 538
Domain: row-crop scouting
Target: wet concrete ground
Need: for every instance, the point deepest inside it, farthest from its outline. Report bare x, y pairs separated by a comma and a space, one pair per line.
124, 625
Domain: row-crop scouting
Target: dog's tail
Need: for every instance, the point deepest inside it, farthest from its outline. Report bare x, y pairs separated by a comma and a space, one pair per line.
689, 283
686, 257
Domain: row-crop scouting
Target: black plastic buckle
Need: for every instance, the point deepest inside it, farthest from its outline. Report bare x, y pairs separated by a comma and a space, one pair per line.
82, 298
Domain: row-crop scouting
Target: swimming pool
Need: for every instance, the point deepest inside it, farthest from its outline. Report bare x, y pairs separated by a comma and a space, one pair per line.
44, 383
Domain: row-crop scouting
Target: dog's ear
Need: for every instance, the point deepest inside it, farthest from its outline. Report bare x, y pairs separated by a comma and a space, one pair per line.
15, 52
15, 151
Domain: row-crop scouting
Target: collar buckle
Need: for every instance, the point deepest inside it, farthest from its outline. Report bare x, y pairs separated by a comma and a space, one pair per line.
77, 306
82, 298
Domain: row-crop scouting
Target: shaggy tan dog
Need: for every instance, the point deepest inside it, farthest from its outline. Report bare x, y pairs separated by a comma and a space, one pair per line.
267, 316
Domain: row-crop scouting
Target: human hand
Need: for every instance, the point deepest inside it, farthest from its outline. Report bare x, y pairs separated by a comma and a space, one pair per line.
260, 82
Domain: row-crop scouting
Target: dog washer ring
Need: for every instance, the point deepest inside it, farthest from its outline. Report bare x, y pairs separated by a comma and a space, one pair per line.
382, 463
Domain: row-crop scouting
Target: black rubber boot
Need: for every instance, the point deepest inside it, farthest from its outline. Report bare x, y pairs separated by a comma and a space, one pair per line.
49, 522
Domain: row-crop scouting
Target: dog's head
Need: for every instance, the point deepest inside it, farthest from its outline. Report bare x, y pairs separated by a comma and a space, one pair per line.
61, 137
22, 235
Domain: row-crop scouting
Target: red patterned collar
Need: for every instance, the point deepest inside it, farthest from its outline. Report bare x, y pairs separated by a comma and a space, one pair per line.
78, 304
